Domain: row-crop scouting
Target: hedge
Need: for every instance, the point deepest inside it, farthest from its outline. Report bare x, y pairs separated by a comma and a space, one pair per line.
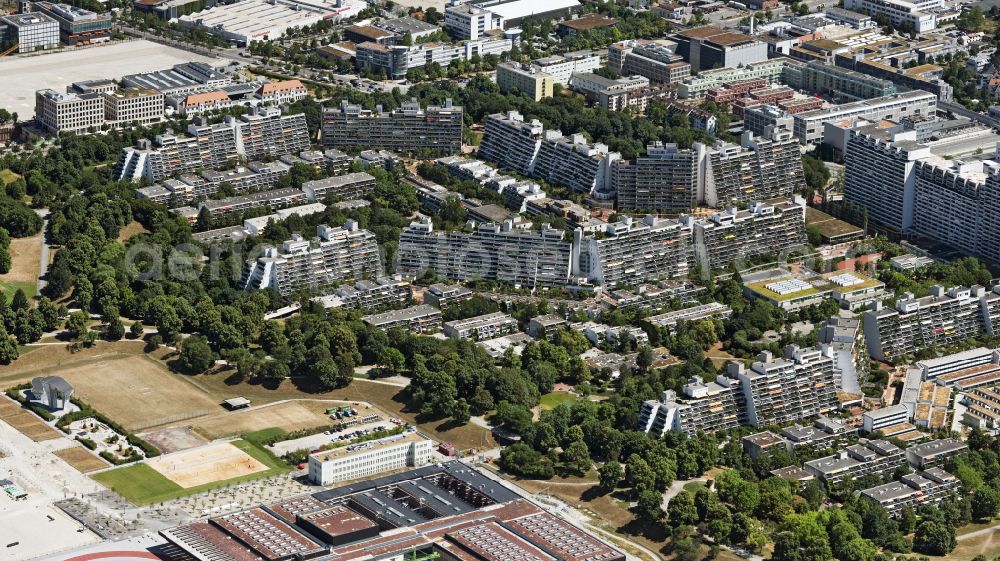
87, 442
15, 394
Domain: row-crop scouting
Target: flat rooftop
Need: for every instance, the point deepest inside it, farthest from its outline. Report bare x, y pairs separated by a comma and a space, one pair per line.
406, 314
23, 76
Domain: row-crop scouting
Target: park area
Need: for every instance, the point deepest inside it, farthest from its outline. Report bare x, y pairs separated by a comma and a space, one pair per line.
192, 471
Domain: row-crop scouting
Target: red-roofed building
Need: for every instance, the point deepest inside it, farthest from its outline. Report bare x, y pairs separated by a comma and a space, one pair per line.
286, 91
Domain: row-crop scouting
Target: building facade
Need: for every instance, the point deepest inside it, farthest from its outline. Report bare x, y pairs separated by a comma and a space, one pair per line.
335, 255
264, 133
493, 252
407, 130
630, 252
364, 460
527, 79
733, 235
33, 31
758, 169
799, 385
946, 317
665, 180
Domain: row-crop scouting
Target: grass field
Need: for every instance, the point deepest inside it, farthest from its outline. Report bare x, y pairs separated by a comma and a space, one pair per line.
81, 460
142, 485
155, 396
552, 400
987, 544
9, 288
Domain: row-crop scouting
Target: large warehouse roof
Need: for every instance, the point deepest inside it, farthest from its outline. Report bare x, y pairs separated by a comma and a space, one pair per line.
527, 8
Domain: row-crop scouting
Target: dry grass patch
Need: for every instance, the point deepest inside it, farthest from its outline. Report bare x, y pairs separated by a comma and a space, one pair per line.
174, 439
288, 416
81, 460
130, 230
25, 256
987, 544
387, 398
47, 360
137, 392
26, 422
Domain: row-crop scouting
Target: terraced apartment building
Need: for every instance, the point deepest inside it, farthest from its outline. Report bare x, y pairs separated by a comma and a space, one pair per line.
733, 235
497, 252
631, 252
264, 133
799, 385
334, 255
945, 317
757, 169
407, 130
665, 180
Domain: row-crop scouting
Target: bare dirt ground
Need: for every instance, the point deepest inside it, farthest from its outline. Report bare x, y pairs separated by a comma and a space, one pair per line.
23, 75
26, 422
174, 439
206, 464
288, 416
81, 460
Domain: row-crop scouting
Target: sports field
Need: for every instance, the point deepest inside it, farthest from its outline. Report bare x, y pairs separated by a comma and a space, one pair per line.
137, 392
142, 484
207, 464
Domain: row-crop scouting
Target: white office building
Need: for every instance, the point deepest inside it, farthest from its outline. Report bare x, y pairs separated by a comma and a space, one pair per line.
367, 459
901, 13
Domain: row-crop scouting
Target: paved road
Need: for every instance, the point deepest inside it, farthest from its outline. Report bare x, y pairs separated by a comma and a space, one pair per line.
676, 488
43, 263
978, 533
959, 110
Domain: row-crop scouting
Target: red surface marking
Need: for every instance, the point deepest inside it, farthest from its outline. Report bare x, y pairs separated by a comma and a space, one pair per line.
115, 555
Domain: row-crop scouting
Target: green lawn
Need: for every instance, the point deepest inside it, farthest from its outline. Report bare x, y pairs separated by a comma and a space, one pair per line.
263, 435
9, 288
552, 400
7, 176
142, 485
